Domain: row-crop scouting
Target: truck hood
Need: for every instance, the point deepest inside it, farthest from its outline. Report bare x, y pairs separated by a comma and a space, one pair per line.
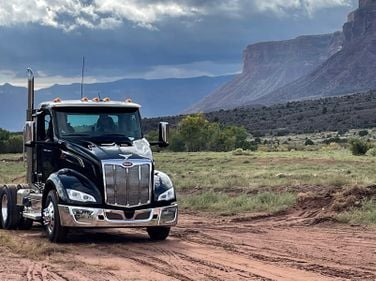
140, 149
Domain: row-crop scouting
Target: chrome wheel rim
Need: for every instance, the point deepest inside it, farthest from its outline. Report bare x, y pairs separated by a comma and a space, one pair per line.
49, 217
4, 207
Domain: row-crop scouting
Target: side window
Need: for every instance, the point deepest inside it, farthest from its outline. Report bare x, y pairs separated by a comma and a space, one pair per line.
47, 122
45, 128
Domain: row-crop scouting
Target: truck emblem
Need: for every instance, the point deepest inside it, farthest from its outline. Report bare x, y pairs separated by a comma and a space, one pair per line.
127, 164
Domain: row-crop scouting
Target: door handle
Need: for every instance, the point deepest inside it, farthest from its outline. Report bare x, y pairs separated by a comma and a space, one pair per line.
47, 150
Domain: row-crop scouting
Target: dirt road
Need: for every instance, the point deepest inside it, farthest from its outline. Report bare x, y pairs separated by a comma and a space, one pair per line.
283, 247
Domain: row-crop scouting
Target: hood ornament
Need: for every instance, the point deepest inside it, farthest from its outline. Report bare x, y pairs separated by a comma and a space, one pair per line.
126, 156
126, 163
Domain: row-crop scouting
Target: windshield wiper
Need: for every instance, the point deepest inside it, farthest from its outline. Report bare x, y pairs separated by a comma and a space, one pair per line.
76, 135
114, 135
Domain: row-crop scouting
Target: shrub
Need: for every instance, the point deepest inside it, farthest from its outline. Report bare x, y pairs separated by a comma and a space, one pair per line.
240, 151
363, 133
309, 142
372, 152
359, 147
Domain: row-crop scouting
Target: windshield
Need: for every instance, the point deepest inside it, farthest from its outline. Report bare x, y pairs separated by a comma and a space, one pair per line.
99, 124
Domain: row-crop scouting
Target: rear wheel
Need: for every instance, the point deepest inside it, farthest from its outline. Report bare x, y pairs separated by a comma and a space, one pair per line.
10, 215
51, 219
158, 233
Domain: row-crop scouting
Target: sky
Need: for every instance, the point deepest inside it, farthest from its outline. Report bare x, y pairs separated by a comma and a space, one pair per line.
149, 39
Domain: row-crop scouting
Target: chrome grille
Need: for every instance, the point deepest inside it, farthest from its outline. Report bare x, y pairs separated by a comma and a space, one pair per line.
127, 186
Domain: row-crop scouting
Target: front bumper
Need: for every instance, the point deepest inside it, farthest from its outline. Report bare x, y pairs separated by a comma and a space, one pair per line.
74, 216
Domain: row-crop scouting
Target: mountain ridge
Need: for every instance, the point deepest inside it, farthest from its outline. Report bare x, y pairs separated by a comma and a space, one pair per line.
157, 97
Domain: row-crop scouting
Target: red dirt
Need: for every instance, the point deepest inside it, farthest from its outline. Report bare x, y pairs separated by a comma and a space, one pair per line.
203, 247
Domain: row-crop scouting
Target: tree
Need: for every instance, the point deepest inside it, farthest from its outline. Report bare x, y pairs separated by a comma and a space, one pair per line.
359, 147
195, 133
4, 135
363, 133
193, 129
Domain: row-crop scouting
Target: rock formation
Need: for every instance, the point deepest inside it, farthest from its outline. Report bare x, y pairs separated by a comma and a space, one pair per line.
306, 67
270, 65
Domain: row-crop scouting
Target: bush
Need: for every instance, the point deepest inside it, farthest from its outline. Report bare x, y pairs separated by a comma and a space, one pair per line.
309, 142
372, 152
359, 147
240, 151
10, 142
363, 133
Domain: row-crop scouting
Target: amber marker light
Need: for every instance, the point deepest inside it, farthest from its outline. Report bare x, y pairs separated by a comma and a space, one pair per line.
85, 99
106, 99
57, 100
128, 100
96, 99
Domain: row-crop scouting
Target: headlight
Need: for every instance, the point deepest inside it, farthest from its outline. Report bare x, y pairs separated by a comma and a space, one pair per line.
167, 195
79, 196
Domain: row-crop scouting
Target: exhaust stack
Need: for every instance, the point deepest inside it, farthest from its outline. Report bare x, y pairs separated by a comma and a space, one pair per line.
29, 128
30, 94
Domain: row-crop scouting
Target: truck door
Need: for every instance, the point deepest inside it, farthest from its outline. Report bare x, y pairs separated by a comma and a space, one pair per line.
46, 147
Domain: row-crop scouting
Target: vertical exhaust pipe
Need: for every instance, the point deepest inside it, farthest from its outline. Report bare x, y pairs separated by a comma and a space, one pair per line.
30, 94
29, 128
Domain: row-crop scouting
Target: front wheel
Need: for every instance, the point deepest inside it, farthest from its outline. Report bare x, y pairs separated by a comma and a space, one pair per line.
158, 233
51, 219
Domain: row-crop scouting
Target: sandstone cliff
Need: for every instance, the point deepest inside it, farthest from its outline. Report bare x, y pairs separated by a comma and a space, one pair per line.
270, 65
350, 70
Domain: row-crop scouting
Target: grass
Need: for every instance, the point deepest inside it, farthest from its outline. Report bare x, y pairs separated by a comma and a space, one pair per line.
12, 170
208, 170
364, 215
233, 183
239, 182
225, 204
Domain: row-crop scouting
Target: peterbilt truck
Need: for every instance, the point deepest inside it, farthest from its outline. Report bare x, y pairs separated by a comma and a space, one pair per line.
89, 166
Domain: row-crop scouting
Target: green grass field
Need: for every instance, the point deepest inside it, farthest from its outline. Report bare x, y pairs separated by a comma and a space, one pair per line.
265, 181
212, 170
253, 182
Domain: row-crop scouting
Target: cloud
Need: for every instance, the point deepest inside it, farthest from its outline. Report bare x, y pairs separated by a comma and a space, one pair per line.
103, 14
108, 14
283, 7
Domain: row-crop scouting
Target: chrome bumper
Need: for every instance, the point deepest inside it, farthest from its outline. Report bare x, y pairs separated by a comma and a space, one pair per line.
73, 216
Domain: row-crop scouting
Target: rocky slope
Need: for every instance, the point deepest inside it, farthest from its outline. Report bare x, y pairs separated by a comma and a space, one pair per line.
350, 70
269, 66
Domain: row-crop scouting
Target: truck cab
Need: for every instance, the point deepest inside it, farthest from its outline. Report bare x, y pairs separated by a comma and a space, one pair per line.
89, 166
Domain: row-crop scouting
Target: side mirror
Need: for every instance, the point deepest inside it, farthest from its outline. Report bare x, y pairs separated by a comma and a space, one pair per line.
164, 130
29, 133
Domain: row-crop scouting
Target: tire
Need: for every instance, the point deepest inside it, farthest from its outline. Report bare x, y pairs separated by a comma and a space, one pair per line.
10, 215
1, 194
158, 233
51, 219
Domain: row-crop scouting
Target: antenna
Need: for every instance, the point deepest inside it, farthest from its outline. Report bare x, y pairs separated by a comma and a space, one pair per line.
82, 77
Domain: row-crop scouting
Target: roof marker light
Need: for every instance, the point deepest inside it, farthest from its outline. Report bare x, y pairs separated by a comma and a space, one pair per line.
85, 99
96, 99
106, 99
128, 100
57, 99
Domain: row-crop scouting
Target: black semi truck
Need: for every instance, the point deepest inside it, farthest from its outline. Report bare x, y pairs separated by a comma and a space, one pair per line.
89, 166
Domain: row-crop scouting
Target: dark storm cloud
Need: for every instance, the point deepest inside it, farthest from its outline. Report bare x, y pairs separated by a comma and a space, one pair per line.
215, 31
